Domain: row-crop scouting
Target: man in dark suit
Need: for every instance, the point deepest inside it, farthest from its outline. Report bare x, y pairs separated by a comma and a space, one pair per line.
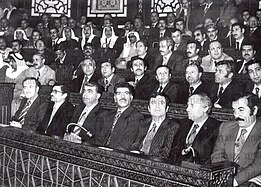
180, 43
239, 38
12, 14
193, 85
89, 74
58, 114
31, 110
164, 85
192, 49
255, 32
248, 53
143, 82
198, 132
167, 57
156, 134
253, 68
86, 114
211, 10
109, 77
239, 140
224, 88
119, 127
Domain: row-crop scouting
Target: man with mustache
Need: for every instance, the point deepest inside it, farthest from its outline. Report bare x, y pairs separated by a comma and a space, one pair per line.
193, 49
143, 82
248, 53
239, 140
118, 128
238, 32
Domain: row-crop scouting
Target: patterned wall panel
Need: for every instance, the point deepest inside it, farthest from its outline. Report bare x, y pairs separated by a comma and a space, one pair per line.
97, 8
164, 6
53, 7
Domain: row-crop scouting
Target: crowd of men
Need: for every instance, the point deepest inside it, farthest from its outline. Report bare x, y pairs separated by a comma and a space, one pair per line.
85, 58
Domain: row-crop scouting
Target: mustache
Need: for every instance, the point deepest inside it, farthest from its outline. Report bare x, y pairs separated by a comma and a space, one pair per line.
239, 119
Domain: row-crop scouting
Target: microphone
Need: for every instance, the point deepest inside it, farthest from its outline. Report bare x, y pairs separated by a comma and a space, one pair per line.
79, 126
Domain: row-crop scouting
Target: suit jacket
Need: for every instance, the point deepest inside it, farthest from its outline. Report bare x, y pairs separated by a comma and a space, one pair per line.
116, 78
184, 91
186, 62
149, 58
171, 90
250, 154
203, 143
90, 122
213, 12
145, 86
162, 141
34, 115
61, 119
174, 63
124, 132
226, 97
77, 82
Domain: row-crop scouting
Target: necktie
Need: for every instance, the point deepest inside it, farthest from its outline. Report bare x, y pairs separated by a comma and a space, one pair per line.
106, 84
80, 122
206, 8
85, 80
237, 46
24, 112
161, 34
192, 135
191, 89
51, 117
257, 92
117, 116
5, 14
38, 74
148, 139
160, 89
220, 91
239, 144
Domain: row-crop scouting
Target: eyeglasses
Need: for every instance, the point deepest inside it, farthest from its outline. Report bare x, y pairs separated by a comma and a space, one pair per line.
56, 91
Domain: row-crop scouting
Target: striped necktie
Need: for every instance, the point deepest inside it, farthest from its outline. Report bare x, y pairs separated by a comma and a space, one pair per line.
239, 144
148, 139
24, 112
117, 116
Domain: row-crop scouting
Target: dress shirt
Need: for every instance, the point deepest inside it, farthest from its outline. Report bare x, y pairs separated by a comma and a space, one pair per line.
242, 69
249, 129
195, 86
200, 124
108, 79
56, 106
240, 42
163, 86
254, 90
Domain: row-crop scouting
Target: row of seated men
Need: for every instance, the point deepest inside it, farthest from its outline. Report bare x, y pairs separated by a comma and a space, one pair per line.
197, 138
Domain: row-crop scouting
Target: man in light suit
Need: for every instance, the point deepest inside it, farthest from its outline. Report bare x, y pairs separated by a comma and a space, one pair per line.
109, 77
119, 127
32, 109
198, 132
156, 134
239, 141
58, 114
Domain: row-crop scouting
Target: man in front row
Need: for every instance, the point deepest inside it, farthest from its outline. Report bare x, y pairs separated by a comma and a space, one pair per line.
58, 114
239, 141
156, 134
118, 129
197, 137
31, 110
87, 113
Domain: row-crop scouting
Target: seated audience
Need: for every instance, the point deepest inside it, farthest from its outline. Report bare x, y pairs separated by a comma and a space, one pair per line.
143, 82
225, 86
156, 134
58, 113
239, 140
32, 108
198, 133
164, 84
119, 127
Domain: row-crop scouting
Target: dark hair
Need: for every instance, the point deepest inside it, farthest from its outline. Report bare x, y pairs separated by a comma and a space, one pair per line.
38, 84
139, 58
198, 45
201, 29
154, 95
59, 47
37, 31
145, 42
174, 30
98, 87
165, 66
109, 61
252, 100
231, 66
124, 85
238, 24
87, 45
18, 41
64, 89
248, 42
251, 62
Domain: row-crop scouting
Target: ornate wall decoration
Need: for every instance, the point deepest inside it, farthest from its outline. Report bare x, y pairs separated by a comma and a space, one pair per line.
53, 7
97, 8
164, 6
